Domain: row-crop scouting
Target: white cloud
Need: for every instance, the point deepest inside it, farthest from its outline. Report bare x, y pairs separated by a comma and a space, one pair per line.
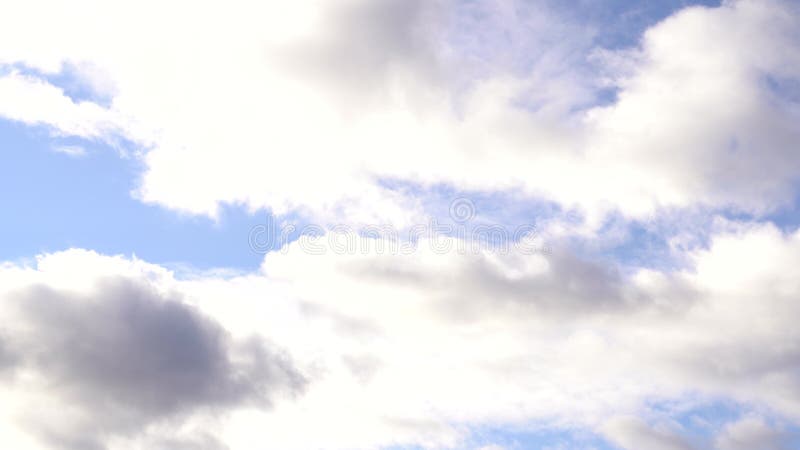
32, 101
73, 151
427, 337
695, 120
306, 107
753, 432
403, 349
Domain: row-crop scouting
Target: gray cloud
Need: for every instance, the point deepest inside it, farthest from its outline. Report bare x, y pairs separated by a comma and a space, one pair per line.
198, 442
361, 43
754, 433
569, 285
127, 356
632, 433
7, 357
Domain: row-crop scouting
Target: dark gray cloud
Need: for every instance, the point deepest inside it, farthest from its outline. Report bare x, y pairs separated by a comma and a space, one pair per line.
127, 356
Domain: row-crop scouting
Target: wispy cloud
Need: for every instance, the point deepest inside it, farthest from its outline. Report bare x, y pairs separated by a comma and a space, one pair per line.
73, 151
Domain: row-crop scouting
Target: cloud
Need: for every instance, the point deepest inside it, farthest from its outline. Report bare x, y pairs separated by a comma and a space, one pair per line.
401, 349
311, 109
426, 337
33, 101
479, 284
377, 39
754, 432
632, 433
126, 357
679, 74
73, 151
7, 358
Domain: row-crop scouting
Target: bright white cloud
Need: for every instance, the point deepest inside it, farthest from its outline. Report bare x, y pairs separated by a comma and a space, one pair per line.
32, 101
307, 106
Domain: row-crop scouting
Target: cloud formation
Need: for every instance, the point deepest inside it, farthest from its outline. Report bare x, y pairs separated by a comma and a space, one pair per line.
124, 357
311, 108
413, 346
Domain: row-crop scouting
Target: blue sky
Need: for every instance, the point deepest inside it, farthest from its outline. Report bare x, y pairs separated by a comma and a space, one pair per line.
87, 202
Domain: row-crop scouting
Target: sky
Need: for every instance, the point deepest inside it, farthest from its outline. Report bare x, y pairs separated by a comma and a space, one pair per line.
400, 224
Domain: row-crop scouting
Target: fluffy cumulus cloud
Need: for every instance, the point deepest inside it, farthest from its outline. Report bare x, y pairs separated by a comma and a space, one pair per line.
310, 107
386, 349
119, 355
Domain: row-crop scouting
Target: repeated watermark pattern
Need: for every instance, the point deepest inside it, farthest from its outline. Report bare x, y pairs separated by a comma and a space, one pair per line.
458, 234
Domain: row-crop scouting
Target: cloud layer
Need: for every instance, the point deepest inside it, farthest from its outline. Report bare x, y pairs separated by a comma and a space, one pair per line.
386, 349
310, 107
